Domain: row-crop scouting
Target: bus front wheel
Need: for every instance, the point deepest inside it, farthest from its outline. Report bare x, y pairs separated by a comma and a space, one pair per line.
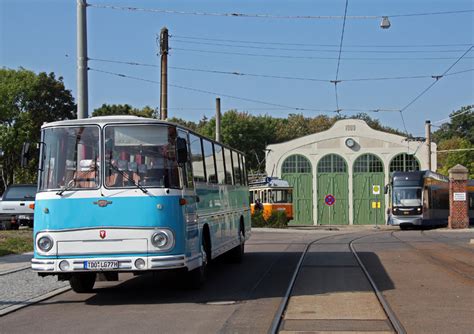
82, 282
197, 277
236, 255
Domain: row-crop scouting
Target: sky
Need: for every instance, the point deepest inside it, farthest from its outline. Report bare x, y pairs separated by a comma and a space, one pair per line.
286, 62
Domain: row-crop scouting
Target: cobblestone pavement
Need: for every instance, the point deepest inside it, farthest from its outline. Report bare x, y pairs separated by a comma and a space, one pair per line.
21, 286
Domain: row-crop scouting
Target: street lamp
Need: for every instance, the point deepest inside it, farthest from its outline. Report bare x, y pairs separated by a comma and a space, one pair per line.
385, 24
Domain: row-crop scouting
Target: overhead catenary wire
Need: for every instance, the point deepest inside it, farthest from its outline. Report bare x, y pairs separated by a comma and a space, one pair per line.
309, 57
311, 50
201, 90
237, 73
437, 78
320, 45
451, 117
278, 106
336, 81
269, 16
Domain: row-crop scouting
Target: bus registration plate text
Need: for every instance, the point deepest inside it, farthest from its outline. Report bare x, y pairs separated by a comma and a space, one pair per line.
101, 264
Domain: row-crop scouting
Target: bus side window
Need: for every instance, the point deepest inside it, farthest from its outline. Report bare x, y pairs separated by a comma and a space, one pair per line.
209, 164
197, 158
219, 156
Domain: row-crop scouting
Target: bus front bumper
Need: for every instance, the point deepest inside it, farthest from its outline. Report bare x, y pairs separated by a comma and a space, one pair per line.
119, 264
407, 220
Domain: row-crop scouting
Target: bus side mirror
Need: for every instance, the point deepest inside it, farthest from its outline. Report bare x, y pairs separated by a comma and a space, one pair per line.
25, 155
182, 150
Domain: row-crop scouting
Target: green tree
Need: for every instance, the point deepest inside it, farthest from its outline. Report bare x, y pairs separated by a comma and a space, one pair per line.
460, 125
123, 109
451, 157
27, 100
454, 135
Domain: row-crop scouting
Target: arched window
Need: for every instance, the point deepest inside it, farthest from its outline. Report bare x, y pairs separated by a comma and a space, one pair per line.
368, 163
296, 164
404, 163
332, 163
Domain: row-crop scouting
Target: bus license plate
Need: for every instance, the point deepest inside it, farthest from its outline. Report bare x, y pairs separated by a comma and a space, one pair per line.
101, 264
406, 213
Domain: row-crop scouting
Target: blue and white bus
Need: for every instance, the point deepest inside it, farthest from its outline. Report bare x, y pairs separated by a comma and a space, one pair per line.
129, 194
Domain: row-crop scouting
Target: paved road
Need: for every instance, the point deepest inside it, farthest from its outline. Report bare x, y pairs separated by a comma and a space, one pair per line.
426, 277
236, 298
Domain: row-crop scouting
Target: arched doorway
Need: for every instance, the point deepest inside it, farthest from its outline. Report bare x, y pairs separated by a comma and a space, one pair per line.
368, 181
404, 162
296, 169
332, 179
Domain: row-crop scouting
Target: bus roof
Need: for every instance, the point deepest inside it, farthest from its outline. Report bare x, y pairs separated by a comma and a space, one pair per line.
126, 119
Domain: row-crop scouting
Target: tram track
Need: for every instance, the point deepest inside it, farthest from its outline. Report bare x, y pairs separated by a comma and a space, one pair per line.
14, 270
279, 316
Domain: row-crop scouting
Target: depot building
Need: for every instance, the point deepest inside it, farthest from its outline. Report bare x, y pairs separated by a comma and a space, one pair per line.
338, 176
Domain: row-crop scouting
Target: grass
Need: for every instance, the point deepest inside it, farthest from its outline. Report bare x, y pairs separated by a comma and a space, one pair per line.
16, 242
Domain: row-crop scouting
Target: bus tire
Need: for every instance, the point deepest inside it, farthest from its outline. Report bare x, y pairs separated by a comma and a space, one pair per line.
198, 276
236, 255
82, 282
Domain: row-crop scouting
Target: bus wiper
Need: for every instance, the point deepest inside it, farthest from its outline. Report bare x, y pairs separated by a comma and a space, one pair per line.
69, 186
137, 184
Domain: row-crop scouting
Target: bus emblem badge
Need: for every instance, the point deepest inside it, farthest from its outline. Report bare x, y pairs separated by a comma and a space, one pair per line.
102, 234
102, 203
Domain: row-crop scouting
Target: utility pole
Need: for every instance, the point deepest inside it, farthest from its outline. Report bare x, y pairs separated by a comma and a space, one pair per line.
164, 73
428, 141
218, 119
82, 86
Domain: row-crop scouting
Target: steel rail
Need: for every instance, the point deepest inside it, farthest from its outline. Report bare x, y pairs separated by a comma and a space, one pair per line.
14, 270
284, 303
396, 324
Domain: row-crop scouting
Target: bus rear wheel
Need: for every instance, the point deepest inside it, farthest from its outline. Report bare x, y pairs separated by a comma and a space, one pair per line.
82, 282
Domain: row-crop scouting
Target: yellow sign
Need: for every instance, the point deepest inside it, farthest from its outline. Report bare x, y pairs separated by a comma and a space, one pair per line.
375, 204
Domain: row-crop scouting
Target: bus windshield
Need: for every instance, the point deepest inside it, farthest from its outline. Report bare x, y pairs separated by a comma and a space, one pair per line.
70, 158
407, 196
141, 154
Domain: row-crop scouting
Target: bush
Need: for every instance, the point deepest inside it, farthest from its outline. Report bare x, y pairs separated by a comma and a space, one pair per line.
276, 220
258, 220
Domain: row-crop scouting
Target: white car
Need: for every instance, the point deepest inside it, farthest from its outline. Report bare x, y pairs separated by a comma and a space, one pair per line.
17, 206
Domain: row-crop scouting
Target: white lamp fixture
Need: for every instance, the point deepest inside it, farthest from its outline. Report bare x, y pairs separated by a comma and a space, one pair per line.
385, 24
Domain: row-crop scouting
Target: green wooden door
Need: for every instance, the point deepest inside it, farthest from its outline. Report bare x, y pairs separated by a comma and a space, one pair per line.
302, 184
296, 169
368, 179
333, 179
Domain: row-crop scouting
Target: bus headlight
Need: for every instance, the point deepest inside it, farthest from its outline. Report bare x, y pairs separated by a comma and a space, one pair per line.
45, 243
159, 239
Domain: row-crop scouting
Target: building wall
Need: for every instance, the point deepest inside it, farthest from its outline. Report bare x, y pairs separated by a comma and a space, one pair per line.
382, 144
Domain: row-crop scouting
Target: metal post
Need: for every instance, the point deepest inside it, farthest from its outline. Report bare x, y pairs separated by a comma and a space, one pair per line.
428, 141
218, 119
164, 73
82, 90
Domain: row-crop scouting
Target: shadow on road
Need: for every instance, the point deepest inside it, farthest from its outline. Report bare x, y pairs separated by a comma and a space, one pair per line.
261, 275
